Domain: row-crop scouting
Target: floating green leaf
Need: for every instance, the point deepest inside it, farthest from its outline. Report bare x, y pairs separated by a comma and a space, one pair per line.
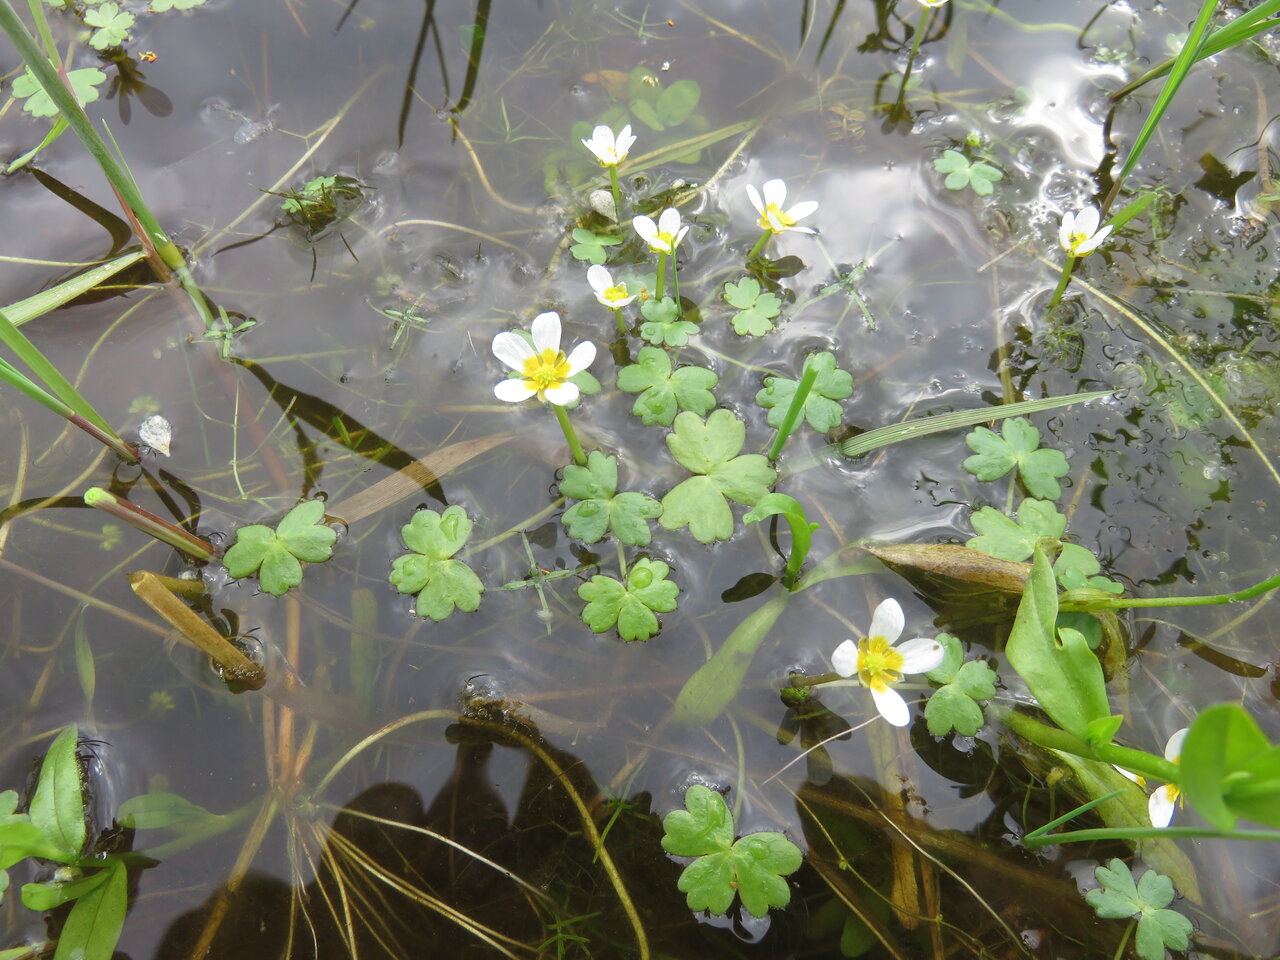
93, 926
275, 554
440, 582
953, 706
710, 450
662, 391
160, 6
752, 867
591, 246
820, 408
1119, 897
112, 25
962, 172
1076, 569
663, 324
84, 83
1016, 447
756, 310
1015, 540
631, 607
602, 507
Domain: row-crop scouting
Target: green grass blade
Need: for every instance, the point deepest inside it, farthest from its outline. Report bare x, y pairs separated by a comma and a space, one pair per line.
16, 341
49, 300
910, 429
1177, 73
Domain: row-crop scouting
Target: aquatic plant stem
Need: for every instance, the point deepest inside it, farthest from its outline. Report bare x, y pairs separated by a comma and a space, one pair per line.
575, 448
1063, 280
166, 254
622, 325
798, 399
675, 283
662, 276
163, 530
1072, 601
12, 376
1052, 738
911, 58
759, 247
617, 194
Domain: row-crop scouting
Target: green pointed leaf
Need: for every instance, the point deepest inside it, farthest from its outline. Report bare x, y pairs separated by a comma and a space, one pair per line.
442, 584
664, 393
1222, 747
93, 927
57, 807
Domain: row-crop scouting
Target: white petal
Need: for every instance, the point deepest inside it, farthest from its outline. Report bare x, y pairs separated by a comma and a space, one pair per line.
564, 394
887, 621
1173, 749
754, 196
802, 209
512, 391
512, 350
775, 193
920, 655
669, 221
1065, 229
1093, 242
1161, 805
807, 230
599, 279
845, 659
619, 304
646, 228
581, 357
892, 707
1128, 775
546, 331
625, 141
1087, 221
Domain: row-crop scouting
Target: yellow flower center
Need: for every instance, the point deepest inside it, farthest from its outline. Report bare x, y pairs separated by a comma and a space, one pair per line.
773, 218
1076, 240
546, 371
664, 240
879, 664
616, 293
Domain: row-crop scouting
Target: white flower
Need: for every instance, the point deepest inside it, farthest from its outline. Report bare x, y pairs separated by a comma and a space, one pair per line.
1166, 799
663, 236
608, 151
879, 664
772, 216
1079, 233
611, 295
543, 369
932, 3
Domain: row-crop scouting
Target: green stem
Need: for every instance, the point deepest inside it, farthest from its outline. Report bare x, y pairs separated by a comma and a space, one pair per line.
794, 410
1062, 282
662, 276
167, 252
575, 447
911, 57
12, 376
798, 681
675, 283
163, 530
1071, 600
622, 326
759, 247
617, 194
1051, 738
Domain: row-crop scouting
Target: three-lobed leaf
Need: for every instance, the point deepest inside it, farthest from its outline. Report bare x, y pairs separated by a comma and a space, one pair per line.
1119, 897
821, 408
953, 706
112, 25
277, 555
602, 508
756, 310
160, 6
752, 867
84, 87
632, 606
663, 324
710, 450
664, 392
591, 246
442, 584
1017, 446
999, 536
962, 172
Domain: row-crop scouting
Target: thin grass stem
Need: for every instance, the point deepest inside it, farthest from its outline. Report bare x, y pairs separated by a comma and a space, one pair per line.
166, 531
798, 399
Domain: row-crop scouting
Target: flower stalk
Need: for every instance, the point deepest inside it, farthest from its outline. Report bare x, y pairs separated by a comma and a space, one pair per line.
575, 448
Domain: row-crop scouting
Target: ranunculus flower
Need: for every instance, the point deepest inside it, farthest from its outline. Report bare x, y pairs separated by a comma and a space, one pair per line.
542, 370
879, 664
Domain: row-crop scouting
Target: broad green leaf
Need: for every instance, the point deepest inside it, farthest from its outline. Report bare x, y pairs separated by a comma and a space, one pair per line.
441, 583
753, 867
677, 102
1224, 751
591, 246
602, 507
160, 6
1063, 673
953, 706
49, 896
57, 807
1076, 569
275, 554
821, 408
84, 83
662, 392
663, 324
19, 839
710, 451
112, 25
1119, 898
1015, 540
788, 507
94, 924
962, 172
160, 811
630, 608
1016, 447
756, 310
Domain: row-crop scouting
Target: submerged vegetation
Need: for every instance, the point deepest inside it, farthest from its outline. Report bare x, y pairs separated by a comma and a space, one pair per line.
818, 624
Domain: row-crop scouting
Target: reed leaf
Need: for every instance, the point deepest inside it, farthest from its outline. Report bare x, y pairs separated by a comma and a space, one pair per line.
49, 300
